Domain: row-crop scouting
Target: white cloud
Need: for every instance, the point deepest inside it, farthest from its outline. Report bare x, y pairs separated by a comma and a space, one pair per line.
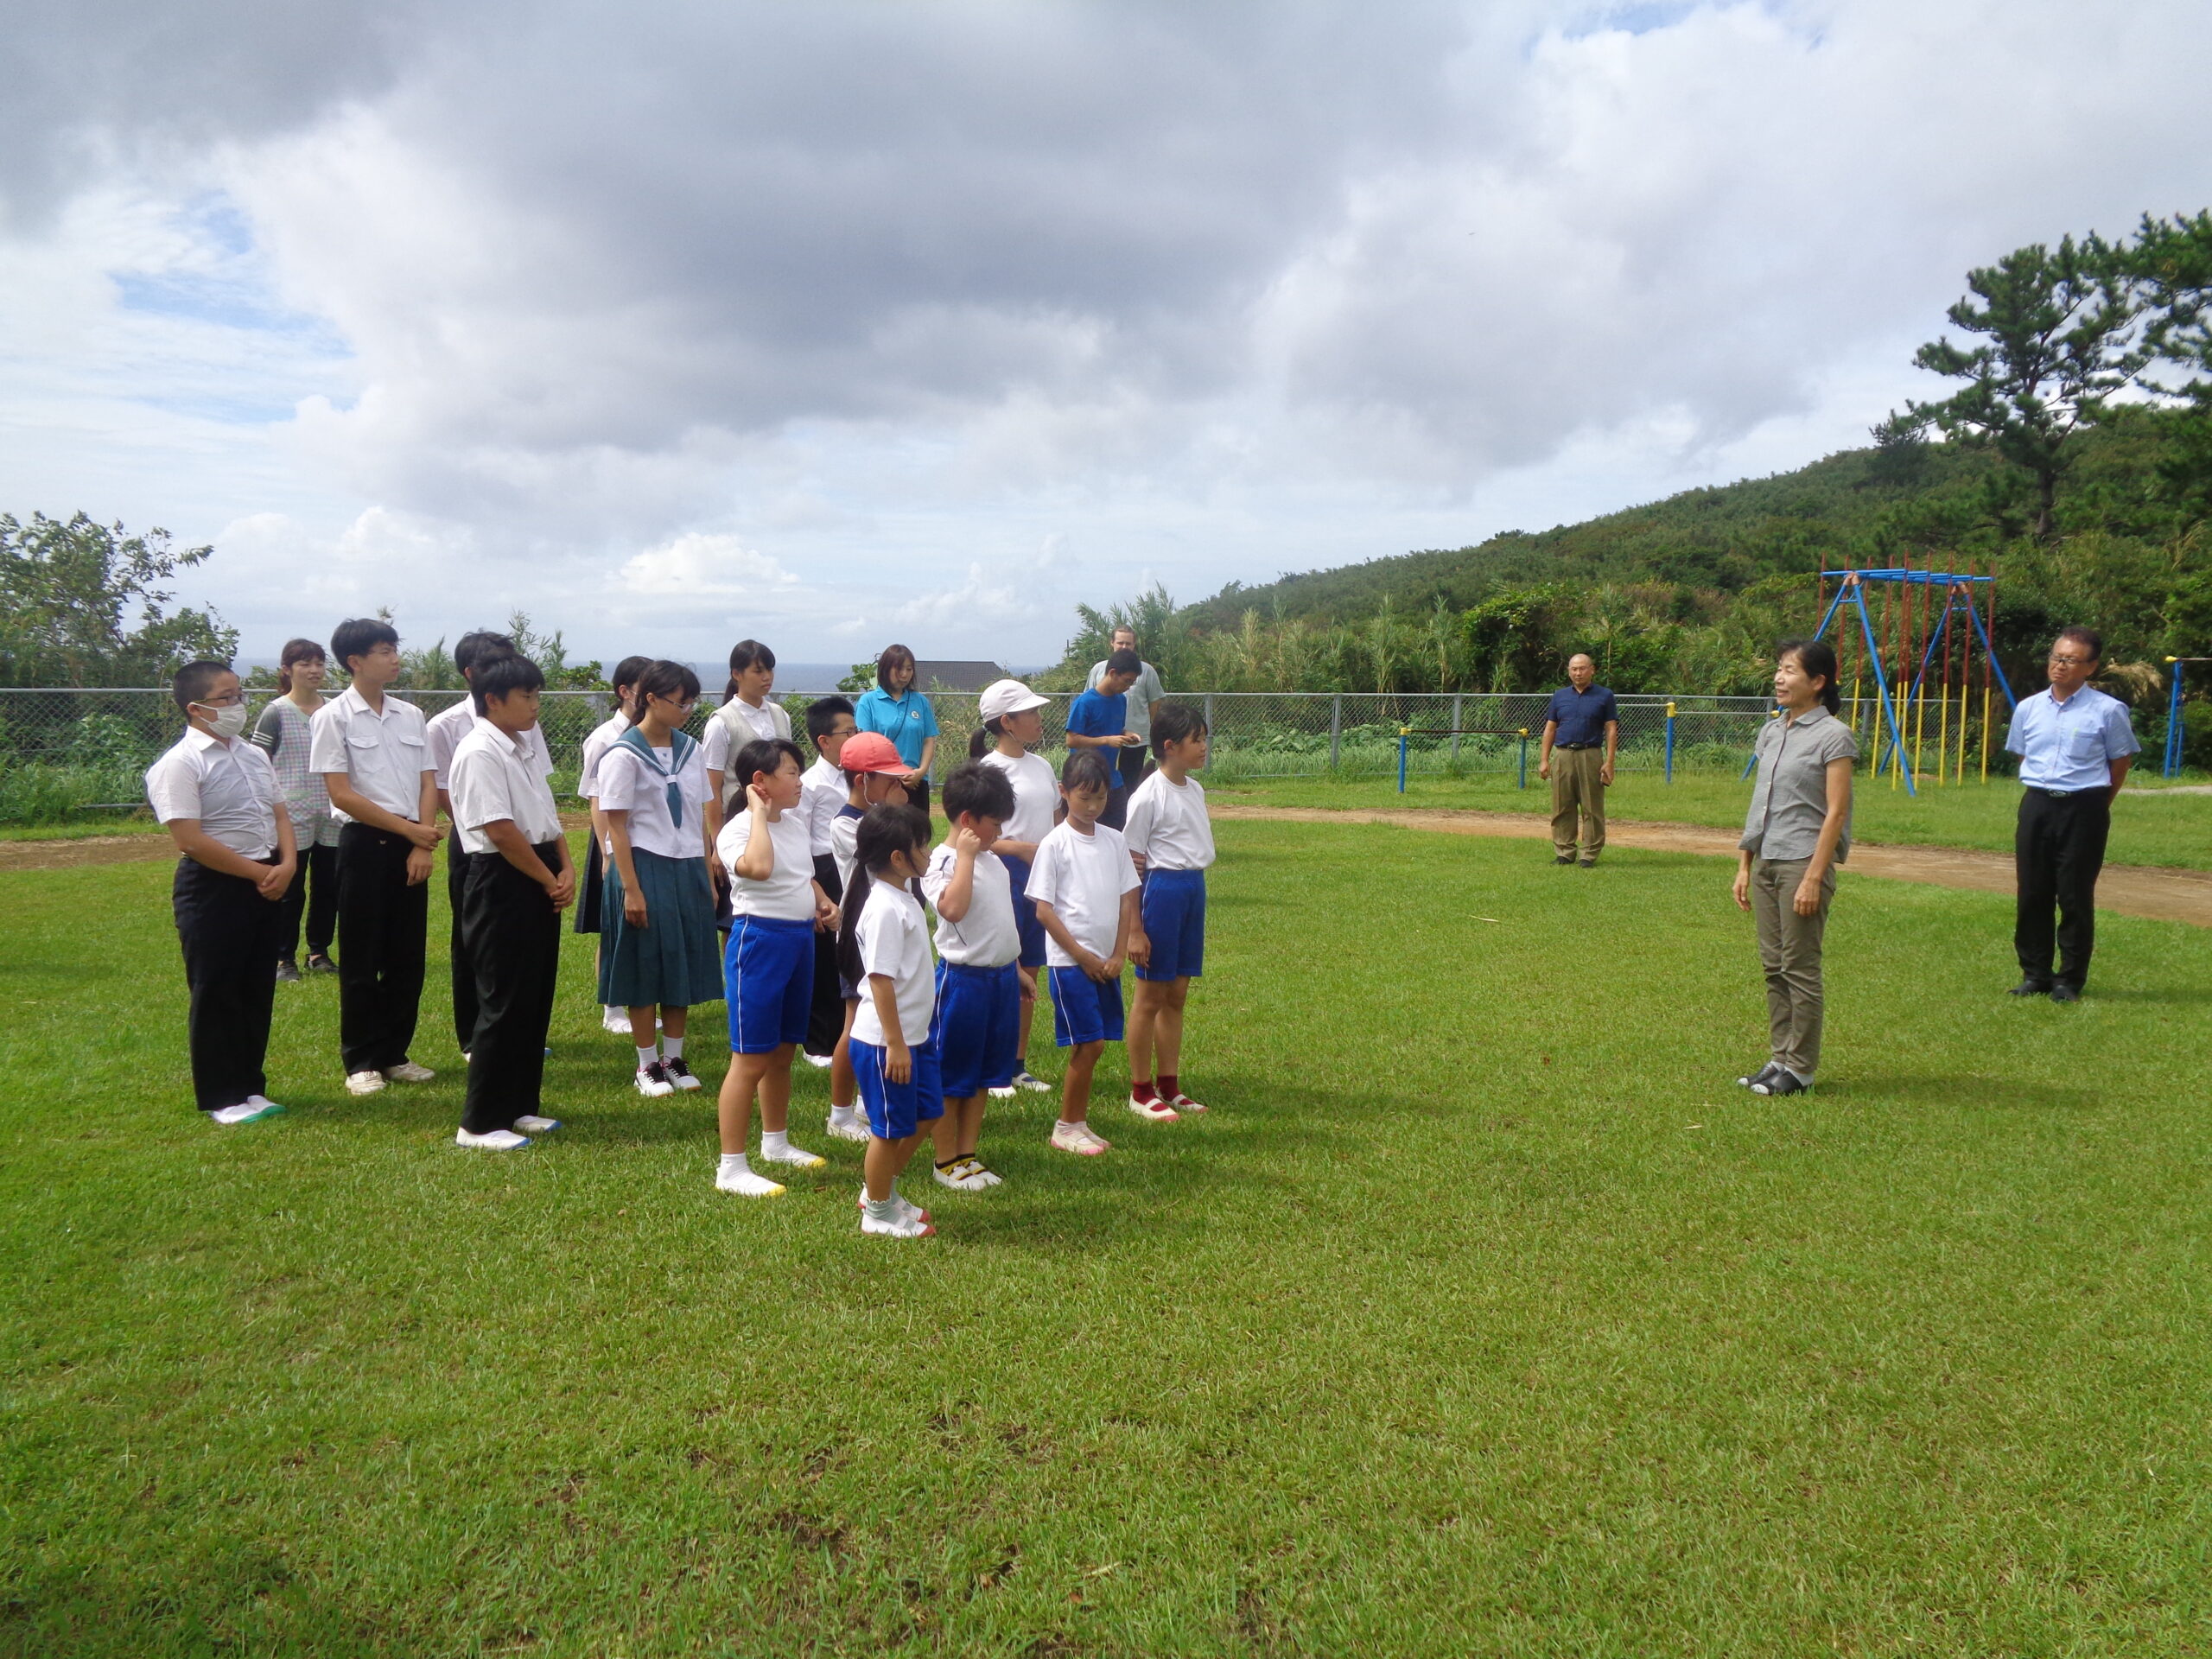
701, 566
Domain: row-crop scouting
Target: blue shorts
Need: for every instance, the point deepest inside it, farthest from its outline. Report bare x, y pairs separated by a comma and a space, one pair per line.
1174, 910
977, 1027
1025, 924
895, 1110
768, 983
1084, 1010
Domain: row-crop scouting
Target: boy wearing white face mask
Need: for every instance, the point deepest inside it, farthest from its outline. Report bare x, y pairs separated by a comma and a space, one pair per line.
218, 795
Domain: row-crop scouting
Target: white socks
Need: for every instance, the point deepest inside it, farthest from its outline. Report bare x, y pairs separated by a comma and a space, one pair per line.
734, 1163
671, 1048
883, 1209
843, 1117
647, 1055
735, 1175
775, 1143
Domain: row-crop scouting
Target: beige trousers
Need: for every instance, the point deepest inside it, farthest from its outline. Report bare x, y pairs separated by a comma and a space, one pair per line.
1577, 792
1789, 952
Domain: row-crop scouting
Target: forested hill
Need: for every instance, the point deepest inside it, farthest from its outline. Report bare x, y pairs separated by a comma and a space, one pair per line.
1717, 539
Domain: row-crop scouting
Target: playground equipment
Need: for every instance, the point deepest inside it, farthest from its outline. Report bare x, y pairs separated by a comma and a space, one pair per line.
2172, 767
1921, 638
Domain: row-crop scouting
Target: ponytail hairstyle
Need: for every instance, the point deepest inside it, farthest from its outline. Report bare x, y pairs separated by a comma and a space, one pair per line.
297, 651
1817, 658
885, 832
1086, 769
980, 744
661, 679
746, 653
624, 679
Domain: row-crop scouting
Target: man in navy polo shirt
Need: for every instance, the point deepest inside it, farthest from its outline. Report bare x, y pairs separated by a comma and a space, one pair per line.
1583, 729
2075, 745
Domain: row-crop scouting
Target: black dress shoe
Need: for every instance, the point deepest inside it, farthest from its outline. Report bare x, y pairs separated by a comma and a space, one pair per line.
2064, 993
1564, 858
2029, 987
1784, 1081
1760, 1076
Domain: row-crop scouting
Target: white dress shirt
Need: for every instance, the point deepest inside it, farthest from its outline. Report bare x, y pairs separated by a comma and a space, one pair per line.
822, 791
495, 775
383, 756
626, 783
448, 726
603, 737
226, 783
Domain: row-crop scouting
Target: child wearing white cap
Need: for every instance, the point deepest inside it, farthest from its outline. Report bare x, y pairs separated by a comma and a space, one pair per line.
1012, 728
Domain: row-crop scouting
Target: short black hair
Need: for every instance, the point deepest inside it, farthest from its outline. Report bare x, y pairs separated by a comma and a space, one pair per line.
891, 656
1086, 769
971, 786
357, 636
822, 716
501, 677
626, 672
664, 679
765, 754
478, 646
2088, 639
193, 680
1175, 723
1124, 662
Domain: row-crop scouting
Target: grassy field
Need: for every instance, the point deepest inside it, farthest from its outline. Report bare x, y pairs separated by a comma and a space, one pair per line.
1483, 1314
2151, 825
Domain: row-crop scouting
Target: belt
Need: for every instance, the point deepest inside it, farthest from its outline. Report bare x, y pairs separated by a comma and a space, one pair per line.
1578, 745
2066, 794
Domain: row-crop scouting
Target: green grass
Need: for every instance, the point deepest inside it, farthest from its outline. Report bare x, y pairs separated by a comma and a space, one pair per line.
2151, 825
1485, 1314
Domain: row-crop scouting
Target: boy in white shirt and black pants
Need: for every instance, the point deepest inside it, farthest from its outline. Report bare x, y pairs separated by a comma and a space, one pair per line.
1171, 839
374, 751
218, 794
519, 880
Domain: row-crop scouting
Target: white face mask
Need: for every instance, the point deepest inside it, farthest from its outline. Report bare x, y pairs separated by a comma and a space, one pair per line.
228, 720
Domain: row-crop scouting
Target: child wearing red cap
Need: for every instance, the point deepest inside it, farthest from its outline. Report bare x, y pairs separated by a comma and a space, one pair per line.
874, 773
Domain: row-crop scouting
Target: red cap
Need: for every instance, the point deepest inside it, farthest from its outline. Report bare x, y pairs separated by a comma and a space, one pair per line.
871, 752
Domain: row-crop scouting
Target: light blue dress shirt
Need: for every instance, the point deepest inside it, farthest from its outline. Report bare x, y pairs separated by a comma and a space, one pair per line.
2071, 745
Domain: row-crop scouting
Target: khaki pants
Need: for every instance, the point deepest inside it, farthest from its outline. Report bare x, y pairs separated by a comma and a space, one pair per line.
1576, 791
1789, 952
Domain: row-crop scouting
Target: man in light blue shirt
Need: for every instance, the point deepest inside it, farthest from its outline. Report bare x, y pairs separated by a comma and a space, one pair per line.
2075, 745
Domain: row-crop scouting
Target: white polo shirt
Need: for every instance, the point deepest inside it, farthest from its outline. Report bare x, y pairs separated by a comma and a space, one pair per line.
228, 785
894, 941
448, 726
1167, 823
383, 755
1036, 794
494, 776
1082, 878
626, 783
603, 737
986, 936
788, 893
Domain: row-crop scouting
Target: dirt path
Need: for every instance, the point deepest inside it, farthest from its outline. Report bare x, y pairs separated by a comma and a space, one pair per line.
2130, 889
61, 855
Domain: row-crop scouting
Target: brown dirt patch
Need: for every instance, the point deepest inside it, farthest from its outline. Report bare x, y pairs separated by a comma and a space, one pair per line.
2129, 889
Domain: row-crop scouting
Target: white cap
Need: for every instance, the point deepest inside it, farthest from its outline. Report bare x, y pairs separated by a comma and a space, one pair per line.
1008, 697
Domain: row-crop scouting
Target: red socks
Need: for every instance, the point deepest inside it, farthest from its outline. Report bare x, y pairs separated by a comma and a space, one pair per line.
1143, 1089
1167, 1089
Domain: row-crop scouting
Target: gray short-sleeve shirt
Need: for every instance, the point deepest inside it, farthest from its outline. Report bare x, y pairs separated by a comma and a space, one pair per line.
1790, 798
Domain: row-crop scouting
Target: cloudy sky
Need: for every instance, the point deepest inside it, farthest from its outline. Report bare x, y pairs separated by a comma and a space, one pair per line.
834, 323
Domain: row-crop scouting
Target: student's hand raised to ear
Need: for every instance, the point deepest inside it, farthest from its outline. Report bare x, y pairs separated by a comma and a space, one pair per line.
964, 841
418, 865
756, 798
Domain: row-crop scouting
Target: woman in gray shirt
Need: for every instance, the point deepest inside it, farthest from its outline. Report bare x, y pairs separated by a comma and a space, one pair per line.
1797, 831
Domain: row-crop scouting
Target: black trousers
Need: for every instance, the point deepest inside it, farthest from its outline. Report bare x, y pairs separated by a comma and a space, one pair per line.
464, 978
320, 906
383, 929
229, 934
1135, 765
512, 936
825, 1013
2058, 848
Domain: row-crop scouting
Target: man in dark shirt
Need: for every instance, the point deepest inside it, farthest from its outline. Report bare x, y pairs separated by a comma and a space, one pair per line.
1582, 729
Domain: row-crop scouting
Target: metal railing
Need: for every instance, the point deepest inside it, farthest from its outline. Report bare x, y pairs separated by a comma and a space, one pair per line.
67, 752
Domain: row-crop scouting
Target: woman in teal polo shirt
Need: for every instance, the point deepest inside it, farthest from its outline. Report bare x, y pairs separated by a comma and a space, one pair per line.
904, 715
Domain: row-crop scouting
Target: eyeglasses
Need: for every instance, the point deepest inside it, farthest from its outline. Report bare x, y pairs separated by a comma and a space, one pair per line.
2071, 662
684, 708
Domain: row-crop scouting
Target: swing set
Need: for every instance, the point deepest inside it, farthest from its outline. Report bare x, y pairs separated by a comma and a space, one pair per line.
1922, 639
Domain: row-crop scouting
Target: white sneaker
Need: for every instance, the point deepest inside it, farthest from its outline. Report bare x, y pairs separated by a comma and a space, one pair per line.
897, 1226
491, 1139
819, 1062
746, 1185
1079, 1138
908, 1207
679, 1074
981, 1179
1184, 1104
364, 1083
796, 1157
1004, 1091
961, 1177
534, 1125
615, 1019
1035, 1085
408, 1071
851, 1129
652, 1081
1155, 1109
251, 1110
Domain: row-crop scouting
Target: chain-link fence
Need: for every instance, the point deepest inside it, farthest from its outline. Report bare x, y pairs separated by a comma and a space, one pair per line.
77, 754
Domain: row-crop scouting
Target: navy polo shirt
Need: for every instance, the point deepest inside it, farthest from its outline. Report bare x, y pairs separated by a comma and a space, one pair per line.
1581, 715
